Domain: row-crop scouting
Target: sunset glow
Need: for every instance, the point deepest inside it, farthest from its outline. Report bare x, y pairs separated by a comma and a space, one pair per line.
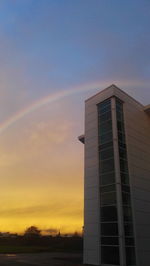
54, 55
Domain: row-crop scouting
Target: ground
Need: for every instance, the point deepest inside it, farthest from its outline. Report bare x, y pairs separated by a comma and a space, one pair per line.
41, 259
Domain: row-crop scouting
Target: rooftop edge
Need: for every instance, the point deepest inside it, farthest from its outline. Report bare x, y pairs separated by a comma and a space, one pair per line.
111, 86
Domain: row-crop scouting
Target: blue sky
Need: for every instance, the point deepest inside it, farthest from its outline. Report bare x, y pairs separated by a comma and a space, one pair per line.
47, 46
59, 44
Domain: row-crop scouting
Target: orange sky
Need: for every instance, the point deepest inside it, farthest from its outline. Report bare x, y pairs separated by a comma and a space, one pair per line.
41, 167
41, 161
48, 47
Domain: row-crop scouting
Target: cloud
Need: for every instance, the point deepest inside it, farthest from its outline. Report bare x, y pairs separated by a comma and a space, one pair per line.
52, 231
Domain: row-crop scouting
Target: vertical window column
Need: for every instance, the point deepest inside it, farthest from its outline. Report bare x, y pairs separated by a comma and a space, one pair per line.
118, 184
108, 198
116, 222
125, 187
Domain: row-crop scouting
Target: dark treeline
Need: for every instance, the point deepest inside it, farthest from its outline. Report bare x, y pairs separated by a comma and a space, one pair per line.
34, 241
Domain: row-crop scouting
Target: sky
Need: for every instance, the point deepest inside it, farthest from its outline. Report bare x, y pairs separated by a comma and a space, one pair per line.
54, 54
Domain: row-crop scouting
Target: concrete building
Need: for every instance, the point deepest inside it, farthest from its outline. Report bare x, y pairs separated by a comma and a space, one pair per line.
117, 180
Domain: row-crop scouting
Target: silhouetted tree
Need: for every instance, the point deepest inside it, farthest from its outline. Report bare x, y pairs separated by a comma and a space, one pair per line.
32, 231
76, 234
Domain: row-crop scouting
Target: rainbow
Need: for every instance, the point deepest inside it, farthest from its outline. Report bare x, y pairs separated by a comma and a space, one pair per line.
40, 103
59, 95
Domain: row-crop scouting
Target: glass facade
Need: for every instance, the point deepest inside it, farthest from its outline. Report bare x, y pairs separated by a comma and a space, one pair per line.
108, 198
110, 253
125, 187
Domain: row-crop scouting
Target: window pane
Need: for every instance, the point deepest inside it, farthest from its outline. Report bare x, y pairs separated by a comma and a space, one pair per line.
108, 188
104, 109
108, 198
105, 127
119, 116
125, 188
119, 104
110, 255
122, 153
109, 229
123, 165
110, 241
130, 256
107, 166
122, 145
121, 137
104, 104
105, 154
105, 146
107, 178
104, 117
120, 126
124, 178
119, 108
127, 213
109, 213
128, 227
129, 241
106, 137
126, 198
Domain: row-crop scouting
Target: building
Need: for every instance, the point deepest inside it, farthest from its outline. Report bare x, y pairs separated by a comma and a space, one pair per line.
117, 180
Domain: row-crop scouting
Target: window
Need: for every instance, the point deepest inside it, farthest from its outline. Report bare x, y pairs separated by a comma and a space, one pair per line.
109, 229
105, 146
128, 228
124, 166
108, 198
106, 154
119, 108
126, 198
110, 241
119, 104
108, 188
127, 213
129, 241
109, 213
119, 116
104, 117
121, 137
122, 153
124, 178
104, 109
122, 145
120, 126
103, 105
106, 127
105, 137
125, 188
109, 225
107, 166
110, 255
108, 178
130, 256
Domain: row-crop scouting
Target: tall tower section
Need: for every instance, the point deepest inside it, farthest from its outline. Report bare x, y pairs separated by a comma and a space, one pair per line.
117, 180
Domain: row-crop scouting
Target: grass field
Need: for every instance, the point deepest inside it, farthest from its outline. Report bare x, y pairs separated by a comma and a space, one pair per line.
41, 244
23, 249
